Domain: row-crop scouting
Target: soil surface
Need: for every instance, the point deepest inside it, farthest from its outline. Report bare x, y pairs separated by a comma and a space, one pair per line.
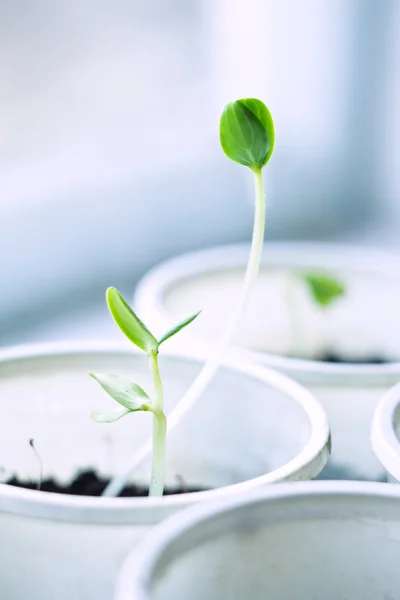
88, 483
333, 357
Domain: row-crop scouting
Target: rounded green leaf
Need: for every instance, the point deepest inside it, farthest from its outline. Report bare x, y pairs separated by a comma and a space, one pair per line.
129, 323
247, 132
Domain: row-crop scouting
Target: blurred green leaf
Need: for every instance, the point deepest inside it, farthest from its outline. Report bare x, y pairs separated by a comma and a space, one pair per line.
128, 394
178, 328
129, 323
324, 289
247, 132
109, 416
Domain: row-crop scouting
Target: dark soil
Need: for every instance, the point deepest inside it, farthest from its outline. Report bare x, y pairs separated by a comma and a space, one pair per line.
333, 357
88, 483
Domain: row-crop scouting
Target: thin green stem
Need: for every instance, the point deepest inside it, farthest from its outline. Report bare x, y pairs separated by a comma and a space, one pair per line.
210, 368
158, 454
158, 402
159, 431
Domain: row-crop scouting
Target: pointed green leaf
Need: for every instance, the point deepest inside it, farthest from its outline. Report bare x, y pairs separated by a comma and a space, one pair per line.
110, 416
129, 323
128, 394
247, 132
324, 289
178, 328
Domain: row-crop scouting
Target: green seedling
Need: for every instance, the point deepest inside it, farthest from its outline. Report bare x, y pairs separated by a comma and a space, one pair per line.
130, 396
324, 290
246, 137
32, 444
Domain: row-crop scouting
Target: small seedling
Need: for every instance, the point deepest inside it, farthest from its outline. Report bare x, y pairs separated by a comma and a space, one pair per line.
130, 396
324, 290
32, 444
246, 137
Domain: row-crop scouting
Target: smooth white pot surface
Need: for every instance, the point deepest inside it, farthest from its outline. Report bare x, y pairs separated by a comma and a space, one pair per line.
281, 319
311, 541
385, 433
252, 427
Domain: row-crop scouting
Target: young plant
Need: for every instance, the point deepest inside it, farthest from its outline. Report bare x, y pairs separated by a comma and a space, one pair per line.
131, 397
246, 137
32, 444
323, 290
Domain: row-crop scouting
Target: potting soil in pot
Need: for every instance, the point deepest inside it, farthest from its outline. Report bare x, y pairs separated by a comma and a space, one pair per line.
330, 356
88, 483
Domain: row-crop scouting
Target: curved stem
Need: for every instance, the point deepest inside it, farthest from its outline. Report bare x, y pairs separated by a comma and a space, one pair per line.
210, 368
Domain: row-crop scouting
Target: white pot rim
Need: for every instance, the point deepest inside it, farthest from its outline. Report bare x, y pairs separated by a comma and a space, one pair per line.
383, 436
143, 561
151, 510
151, 290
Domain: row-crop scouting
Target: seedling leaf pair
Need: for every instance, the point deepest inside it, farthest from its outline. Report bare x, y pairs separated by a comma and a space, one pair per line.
130, 395
136, 331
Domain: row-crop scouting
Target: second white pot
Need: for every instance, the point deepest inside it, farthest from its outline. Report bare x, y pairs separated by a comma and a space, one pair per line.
361, 325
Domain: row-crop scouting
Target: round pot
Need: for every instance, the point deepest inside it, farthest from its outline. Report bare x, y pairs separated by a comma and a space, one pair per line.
360, 325
326, 540
252, 427
385, 433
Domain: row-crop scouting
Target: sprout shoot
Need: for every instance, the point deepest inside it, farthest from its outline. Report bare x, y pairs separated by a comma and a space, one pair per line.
130, 396
32, 444
323, 290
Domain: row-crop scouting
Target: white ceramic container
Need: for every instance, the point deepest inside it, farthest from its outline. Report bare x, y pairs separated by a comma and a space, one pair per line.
330, 540
385, 433
281, 319
252, 427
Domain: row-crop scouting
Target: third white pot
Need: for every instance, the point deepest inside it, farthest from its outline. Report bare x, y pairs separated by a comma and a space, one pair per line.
308, 541
361, 325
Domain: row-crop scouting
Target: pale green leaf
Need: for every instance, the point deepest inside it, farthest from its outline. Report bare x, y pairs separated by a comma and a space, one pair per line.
110, 416
125, 392
129, 323
178, 328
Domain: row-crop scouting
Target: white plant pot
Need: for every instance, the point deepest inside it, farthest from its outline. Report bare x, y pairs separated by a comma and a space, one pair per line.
252, 427
330, 540
365, 322
385, 433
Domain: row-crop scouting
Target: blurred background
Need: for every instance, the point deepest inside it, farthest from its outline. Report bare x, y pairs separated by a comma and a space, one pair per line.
110, 157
